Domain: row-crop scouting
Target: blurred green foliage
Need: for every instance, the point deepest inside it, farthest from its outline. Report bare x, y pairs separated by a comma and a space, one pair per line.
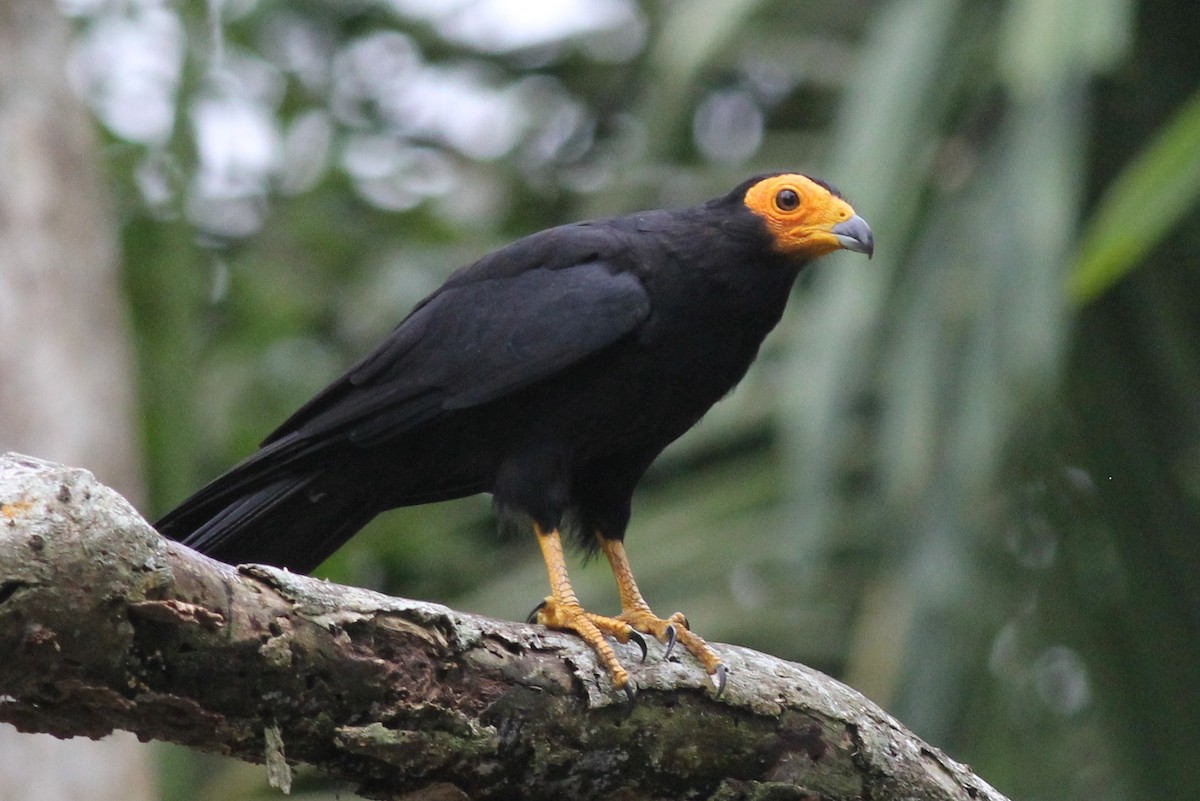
964, 477
1145, 202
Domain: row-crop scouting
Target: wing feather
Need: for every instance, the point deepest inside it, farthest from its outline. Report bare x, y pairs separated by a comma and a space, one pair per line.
472, 343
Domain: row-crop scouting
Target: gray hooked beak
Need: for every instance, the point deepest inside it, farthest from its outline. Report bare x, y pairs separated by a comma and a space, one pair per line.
854, 234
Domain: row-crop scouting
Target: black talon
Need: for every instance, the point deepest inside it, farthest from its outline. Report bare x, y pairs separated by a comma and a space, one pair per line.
640, 640
721, 673
672, 636
532, 618
630, 694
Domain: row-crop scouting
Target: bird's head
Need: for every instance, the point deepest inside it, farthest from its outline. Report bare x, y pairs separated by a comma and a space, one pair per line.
806, 218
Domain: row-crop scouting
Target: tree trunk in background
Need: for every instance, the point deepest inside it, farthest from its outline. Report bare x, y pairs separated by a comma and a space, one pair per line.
66, 389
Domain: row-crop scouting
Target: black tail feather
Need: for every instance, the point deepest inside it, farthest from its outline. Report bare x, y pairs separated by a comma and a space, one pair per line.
294, 518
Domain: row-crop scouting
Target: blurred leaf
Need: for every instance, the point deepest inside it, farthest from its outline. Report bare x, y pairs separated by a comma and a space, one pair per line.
1049, 40
1141, 206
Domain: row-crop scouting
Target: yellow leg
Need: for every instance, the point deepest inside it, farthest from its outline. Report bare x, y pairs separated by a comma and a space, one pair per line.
636, 612
561, 610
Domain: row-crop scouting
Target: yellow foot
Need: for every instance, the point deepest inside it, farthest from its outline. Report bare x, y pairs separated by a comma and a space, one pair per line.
561, 610
675, 629
570, 616
623, 628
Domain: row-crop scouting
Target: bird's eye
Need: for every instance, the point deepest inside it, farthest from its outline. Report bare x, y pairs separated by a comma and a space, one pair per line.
787, 200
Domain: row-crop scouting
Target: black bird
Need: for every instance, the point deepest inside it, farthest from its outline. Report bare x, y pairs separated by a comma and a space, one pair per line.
550, 373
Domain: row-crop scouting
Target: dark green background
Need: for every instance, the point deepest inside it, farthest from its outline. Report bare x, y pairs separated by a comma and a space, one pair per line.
951, 481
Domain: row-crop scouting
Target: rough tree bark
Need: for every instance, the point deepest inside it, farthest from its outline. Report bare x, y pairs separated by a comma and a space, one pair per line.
105, 625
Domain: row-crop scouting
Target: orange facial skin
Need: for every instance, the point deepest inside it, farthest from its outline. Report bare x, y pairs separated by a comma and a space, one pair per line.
806, 218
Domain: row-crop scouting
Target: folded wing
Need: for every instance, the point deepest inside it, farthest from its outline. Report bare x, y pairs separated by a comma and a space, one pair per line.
471, 344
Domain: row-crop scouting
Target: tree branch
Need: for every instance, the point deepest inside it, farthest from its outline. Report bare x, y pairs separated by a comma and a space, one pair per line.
106, 625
